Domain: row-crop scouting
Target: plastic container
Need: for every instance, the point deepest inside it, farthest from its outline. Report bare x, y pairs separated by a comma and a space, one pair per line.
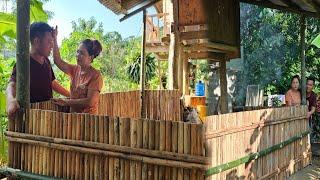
200, 88
202, 110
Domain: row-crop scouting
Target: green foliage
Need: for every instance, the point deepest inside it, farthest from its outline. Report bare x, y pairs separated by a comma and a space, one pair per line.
270, 40
316, 41
133, 69
8, 20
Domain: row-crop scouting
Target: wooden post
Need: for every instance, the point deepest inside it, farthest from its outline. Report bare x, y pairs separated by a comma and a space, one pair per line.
186, 70
303, 60
180, 69
174, 49
223, 87
23, 73
143, 68
23, 58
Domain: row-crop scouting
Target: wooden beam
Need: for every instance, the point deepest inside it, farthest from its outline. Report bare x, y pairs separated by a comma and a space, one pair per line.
160, 56
157, 49
223, 87
114, 6
279, 2
305, 5
143, 68
221, 46
291, 9
150, 3
303, 61
202, 34
315, 5
206, 55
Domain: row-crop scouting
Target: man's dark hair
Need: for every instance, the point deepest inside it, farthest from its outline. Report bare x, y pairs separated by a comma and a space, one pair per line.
38, 30
311, 78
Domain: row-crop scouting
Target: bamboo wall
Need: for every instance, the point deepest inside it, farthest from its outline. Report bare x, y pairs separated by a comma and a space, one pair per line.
232, 136
83, 146
160, 104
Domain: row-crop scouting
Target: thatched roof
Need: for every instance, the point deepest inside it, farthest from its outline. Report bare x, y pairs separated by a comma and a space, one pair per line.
307, 7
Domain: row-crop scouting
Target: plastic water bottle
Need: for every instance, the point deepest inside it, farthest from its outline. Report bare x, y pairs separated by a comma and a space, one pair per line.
199, 88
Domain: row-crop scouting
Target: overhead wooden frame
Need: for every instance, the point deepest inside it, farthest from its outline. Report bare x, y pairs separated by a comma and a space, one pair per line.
309, 8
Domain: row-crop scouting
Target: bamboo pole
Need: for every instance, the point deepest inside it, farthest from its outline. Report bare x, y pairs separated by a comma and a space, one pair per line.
127, 127
143, 67
139, 145
186, 146
116, 142
96, 158
162, 146
111, 142
145, 143
122, 134
180, 146
174, 140
129, 150
133, 141
106, 141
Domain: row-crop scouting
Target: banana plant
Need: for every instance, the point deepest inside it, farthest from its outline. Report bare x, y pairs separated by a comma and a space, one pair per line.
316, 41
8, 21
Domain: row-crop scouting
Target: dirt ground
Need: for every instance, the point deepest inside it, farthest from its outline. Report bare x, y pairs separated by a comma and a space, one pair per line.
311, 171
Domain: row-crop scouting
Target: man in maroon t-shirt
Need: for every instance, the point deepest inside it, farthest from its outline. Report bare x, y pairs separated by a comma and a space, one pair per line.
311, 97
42, 79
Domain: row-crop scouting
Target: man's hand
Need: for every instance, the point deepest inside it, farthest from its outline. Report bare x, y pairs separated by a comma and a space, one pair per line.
309, 114
60, 102
12, 108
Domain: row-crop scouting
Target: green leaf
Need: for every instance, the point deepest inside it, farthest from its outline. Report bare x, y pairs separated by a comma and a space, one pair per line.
7, 25
316, 41
36, 12
2, 103
8, 21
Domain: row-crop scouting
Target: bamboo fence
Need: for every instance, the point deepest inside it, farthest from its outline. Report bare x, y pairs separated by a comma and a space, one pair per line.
160, 105
259, 144
76, 146
230, 137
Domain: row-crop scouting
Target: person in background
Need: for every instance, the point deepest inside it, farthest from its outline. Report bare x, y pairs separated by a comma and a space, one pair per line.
42, 79
86, 81
293, 95
311, 97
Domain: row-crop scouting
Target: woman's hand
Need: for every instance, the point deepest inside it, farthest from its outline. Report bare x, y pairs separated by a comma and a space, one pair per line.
55, 33
60, 102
